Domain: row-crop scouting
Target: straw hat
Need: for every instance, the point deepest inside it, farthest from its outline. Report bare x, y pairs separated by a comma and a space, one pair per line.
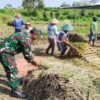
18, 16
54, 21
27, 23
67, 27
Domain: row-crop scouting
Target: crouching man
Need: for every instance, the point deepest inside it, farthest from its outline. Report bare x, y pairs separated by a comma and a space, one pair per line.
16, 43
63, 38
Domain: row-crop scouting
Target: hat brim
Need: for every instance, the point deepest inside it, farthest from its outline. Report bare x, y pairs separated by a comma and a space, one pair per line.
67, 27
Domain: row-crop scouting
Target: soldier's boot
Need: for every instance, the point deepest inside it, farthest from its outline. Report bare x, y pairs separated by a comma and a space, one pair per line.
18, 94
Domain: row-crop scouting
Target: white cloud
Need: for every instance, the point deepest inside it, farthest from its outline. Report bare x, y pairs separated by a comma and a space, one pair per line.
98, 3
83, 1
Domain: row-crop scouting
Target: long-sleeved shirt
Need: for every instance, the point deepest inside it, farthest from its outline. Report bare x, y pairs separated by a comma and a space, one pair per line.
18, 23
52, 31
16, 43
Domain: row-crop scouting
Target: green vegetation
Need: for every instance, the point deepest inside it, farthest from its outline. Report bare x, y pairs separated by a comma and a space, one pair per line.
81, 19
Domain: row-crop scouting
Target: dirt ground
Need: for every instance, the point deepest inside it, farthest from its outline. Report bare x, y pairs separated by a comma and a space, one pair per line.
41, 57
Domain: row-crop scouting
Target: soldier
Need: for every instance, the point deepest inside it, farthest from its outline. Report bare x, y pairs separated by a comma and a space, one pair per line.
16, 43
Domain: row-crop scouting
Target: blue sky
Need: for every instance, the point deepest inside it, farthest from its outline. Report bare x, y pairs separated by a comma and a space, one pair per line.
48, 3
52, 3
14, 3
17, 3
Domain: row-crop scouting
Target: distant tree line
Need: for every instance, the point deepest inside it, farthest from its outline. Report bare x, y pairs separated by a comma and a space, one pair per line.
79, 3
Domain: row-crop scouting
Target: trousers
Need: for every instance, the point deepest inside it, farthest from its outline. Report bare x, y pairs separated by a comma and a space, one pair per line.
9, 65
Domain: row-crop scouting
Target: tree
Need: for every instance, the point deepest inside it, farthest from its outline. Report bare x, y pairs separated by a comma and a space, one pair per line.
51, 14
65, 5
76, 4
81, 3
28, 4
57, 14
93, 1
45, 15
82, 12
8, 6
32, 4
40, 4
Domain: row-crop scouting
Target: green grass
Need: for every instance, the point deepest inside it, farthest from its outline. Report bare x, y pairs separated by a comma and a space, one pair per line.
81, 24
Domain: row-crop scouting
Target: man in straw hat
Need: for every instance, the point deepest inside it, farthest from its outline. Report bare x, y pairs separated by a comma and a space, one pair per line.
16, 43
52, 33
27, 27
63, 38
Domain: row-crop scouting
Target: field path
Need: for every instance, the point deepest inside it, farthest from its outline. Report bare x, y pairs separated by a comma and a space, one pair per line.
41, 57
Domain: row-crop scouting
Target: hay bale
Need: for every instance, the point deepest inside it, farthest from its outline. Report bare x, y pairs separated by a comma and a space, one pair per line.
73, 52
80, 46
53, 87
76, 38
76, 49
77, 45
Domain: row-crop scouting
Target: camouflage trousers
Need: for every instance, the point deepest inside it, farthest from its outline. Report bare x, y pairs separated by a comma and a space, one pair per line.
9, 65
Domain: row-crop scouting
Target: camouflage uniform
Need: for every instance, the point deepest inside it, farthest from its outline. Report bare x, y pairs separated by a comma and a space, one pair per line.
16, 43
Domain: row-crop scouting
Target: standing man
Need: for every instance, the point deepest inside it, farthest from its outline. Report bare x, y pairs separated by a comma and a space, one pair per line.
16, 43
93, 31
18, 23
52, 35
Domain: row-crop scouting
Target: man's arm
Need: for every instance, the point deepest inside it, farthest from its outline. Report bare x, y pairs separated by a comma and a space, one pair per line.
28, 56
26, 49
22, 22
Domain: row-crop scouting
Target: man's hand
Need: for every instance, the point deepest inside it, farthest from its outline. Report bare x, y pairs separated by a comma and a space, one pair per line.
34, 63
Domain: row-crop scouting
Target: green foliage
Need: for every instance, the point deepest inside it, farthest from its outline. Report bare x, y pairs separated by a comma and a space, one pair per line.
40, 4
73, 16
2, 10
32, 4
51, 14
43, 16
82, 12
65, 13
35, 13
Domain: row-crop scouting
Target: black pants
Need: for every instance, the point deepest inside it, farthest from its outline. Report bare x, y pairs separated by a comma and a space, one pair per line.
51, 45
17, 30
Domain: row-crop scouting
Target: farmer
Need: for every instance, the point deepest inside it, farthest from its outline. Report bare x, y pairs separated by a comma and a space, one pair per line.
18, 23
63, 38
93, 31
52, 34
16, 43
27, 27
